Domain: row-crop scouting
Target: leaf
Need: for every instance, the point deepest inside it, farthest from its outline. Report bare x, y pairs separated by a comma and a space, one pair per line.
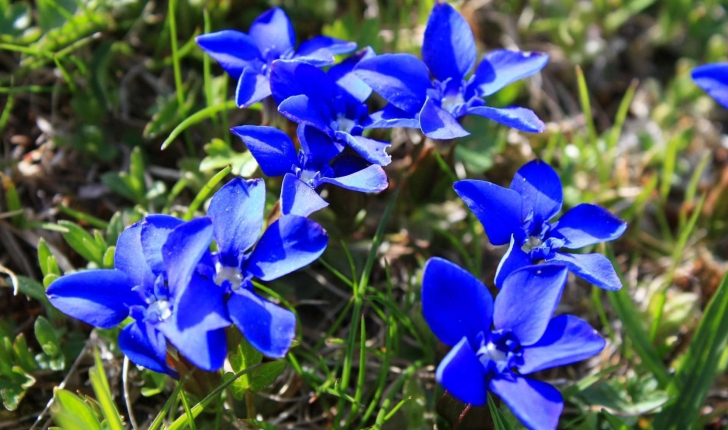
70, 412
82, 242
167, 115
22, 354
29, 287
696, 374
219, 155
103, 394
242, 356
109, 257
14, 392
12, 200
266, 374
154, 383
46, 336
15, 18
416, 409
44, 252
116, 226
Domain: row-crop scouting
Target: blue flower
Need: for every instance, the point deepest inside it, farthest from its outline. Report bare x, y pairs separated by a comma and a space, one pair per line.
317, 163
144, 285
496, 345
331, 102
417, 101
713, 78
234, 220
520, 215
248, 57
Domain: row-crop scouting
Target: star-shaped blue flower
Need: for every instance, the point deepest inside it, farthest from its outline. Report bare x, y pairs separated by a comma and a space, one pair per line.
331, 102
317, 163
496, 345
713, 78
520, 215
418, 101
248, 57
145, 285
234, 220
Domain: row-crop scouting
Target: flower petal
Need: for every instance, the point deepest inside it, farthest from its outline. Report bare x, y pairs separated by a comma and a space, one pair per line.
155, 230
540, 187
317, 146
205, 349
201, 307
234, 50
527, 301
297, 198
290, 78
252, 88
392, 116
183, 250
98, 297
371, 179
288, 244
567, 339
454, 303
513, 260
237, 217
588, 224
272, 149
713, 78
449, 47
502, 67
269, 328
146, 346
462, 374
536, 404
594, 268
301, 109
343, 75
497, 208
129, 256
401, 79
273, 33
319, 51
515, 117
371, 150
439, 124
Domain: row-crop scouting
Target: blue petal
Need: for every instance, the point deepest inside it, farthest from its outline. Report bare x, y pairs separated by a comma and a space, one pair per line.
288, 244
252, 88
515, 117
205, 349
371, 179
462, 374
317, 146
439, 124
401, 79
392, 116
594, 268
273, 33
237, 217
145, 346
183, 251
201, 307
290, 78
97, 297
536, 404
343, 75
297, 198
301, 109
155, 230
713, 78
567, 340
371, 150
129, 256
540, 187
319, 51
501, 67
454, 303
267, 327
528, 299
588, 224
449, 47
513, 260
497, 208
271, 148
234, 50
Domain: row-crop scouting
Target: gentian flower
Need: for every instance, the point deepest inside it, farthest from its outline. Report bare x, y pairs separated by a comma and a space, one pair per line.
434, 105
248, 57
234, 219
317, 163
713, 78
145, 285
496, 345
331, 102
520, 215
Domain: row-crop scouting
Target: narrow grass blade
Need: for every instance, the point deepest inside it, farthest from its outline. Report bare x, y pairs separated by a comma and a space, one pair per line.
196, 117
103, 394
205, 191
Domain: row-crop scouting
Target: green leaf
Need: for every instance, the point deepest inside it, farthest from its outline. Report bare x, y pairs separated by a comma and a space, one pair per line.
12, 201
15, 18
696, 374
116, 226
23, 357
266, 374
29, 287
14, 392
82, 242
103, 394
219, 155
242, 356
48, 279
44, 253
154, 383
70, 412
46, 336
616, 423
54, 13
109, 257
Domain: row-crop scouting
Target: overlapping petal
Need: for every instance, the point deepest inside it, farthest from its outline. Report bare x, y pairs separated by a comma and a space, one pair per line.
371, 179
129, 256
402, 79
502, 67
515, 117
252, 87
588, 224
183, 250
392, 116
540, 187
290, 78
462, 374
448, 48
317, 146
273, 33
304, 110
297, 198
320, 50
513, 260
594, 268
272, 148
269, 328
537, 404
155, 230
497, 208
146, 346
234, 50
374, 151
439, 124
343, 75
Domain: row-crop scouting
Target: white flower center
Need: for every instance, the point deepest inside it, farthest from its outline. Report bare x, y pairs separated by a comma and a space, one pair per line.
531, 243
161, 308
490, 352
451, 102
229, 274
345, 124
